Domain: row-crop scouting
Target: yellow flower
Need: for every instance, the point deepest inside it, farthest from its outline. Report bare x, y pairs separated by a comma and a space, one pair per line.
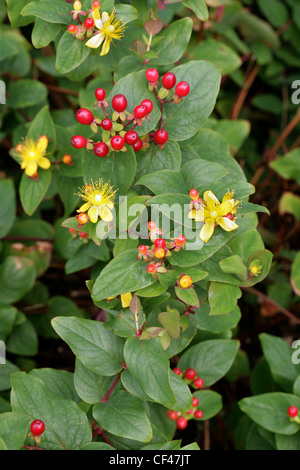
99, 199
109, 28
214, 213
125, 299
32, 155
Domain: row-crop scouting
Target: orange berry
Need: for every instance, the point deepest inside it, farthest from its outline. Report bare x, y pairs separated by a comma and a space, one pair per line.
185, 282
67, 159
194, 194
83, 218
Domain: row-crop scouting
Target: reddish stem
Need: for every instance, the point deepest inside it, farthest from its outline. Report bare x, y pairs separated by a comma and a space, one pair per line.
104, 400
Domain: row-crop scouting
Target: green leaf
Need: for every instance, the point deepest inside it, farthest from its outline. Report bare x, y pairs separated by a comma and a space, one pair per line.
288, 166
32, 192
97, 446
295, 274
91, 387
245, 244
279, 357
31, 398
123, 274
70, 53
97, 348
222, 297
8, 50
155, 159
58, 13
170, 321
60, 382
284, 442
173, 45
43, 125
161, 181
199, 8
182, 393
118, 168
188, 296
268, 102
219, 54
13, 429
5, 374
17, 276
141, 355
7, 319
199, 172
247, 207
218, 323
290, 204
269, 410
123, 415
26, 92
211, 359
44, 32
275, 11
234, 265
7, 210
210, 403
14, 8
254, 28
234, 131
183, 120
124, 324
126, 13
264, 259
23, 339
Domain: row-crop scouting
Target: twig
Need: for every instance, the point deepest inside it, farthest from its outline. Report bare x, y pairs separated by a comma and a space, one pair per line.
244, 92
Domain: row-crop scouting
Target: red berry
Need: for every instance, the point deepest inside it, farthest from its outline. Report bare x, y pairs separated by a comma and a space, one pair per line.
89, 23
140, 111
194, 194
100, 94
172, 415
198, 382
168, 80
152, 75
78, 141
181, 423
229, 216
195, 401
72, 28
131, 137
151, 268
190, 374
143, 249
119, 103
83, 235
82, 218
177, 370
148, 105
152, 226
180, 240
198, 414
72, 230
84, 116
160, 243
161, 136
106, 124
117, 142
190, 411
37, 427
293, 411
138, 145
101, 149
182, 89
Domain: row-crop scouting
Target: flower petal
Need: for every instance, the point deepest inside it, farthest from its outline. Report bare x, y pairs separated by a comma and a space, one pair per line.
105, 17
85, 207
96, 15
227, 224
106, 46
44, 163
209, 196
95, 41
105, 213
226, 207
206, 232
42, 144
31, 168
93, 214
126, 299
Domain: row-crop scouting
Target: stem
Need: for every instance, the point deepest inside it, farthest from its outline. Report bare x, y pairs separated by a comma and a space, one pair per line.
244, 92
206, 444
33, 447
104, 110
280, 141
265, 298
104, 400
149, 42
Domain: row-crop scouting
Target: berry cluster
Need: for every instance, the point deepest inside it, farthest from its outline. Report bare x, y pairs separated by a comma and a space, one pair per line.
83, 30
182, 418
114, 132
160, 249
82, 235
